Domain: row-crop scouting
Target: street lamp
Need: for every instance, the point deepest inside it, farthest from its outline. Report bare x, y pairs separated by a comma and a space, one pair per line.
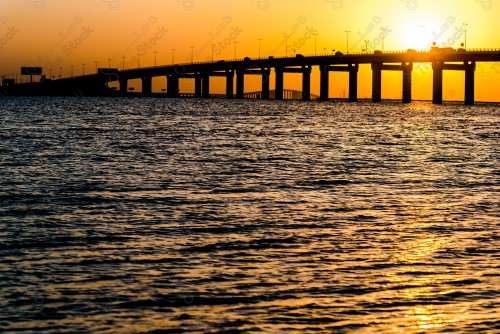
366, 48
123, 63
315, 40
173, 52
109, 62
465, 27
60, 72
83, 69
192, 53
383, 37
50, 71
260, 40
96, 66
347, 33
155, 52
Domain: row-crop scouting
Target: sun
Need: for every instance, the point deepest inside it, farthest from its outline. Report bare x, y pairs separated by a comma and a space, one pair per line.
418, 32
420, 38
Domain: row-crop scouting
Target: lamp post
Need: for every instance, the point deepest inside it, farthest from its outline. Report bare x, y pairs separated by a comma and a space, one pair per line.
260, 40
286, 45
109, 62
347, 33
123, 63
315, 42
173, 52
50, 71
465, 30
155, 52
383, 37
366, 46
60, 72
96, 70
83, 69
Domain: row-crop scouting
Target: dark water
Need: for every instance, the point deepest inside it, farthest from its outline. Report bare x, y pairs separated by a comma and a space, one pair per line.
213, 216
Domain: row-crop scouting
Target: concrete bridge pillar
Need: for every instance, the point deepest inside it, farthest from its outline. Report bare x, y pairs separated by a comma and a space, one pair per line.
197, 86
205, 88
172, 86
437, 82
469, 82
306, 83
240, 83
147, 86
278, 95
353, 82
123, 86
324, 83
229, 84
407, 83
265, 84
376, 82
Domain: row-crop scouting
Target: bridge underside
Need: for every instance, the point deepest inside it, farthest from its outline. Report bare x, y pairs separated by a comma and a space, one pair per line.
234, 73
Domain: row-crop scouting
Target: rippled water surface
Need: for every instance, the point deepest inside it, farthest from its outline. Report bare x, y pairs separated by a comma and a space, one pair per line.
216, 216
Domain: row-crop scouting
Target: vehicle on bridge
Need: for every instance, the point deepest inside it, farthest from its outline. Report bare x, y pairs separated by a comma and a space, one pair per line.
442, 51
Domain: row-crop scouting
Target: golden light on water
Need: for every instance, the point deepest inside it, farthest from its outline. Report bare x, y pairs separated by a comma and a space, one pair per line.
420, 282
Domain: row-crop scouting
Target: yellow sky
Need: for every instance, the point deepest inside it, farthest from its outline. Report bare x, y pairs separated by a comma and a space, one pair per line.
65, 33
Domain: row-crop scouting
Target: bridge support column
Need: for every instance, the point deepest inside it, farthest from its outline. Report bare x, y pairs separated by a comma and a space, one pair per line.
306, 83
265, 84
353, 82
407, 83
376, 82
437, 83
205, 90
240, 83
229, 84
123, 86
172, 86
469, 82
197, 86
324, 83
278, 90
147, 86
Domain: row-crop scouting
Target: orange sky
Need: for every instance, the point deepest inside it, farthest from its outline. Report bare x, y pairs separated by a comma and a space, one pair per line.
65, 33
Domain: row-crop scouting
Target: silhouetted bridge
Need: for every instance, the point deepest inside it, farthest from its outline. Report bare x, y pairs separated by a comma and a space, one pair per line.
441, 59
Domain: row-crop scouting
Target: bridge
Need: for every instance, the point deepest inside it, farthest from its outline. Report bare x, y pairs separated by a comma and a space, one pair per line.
441, 60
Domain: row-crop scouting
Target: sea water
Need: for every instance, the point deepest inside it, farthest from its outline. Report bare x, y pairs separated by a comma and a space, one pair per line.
130, 215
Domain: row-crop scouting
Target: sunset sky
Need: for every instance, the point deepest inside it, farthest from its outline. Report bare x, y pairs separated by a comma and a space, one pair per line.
65, 33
